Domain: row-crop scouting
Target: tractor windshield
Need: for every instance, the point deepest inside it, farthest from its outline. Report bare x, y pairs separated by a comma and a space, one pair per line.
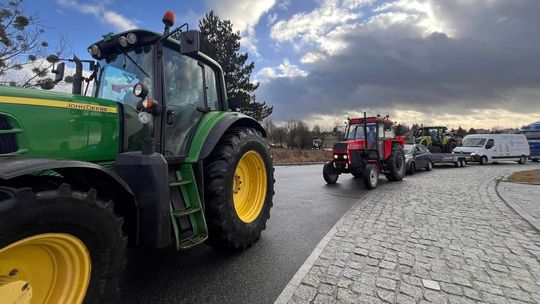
356, 131
473, 142
118, 74
121, 71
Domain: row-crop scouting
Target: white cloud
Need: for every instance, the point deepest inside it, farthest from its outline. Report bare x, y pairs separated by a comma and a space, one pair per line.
312, 26
286, 70
244, 16
101, 12
249, 41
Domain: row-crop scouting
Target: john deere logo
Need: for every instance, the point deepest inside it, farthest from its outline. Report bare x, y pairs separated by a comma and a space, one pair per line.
57, 104
87, 107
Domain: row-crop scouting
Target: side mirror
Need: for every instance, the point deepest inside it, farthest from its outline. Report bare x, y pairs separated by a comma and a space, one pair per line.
189, 42
59, 72
234, 103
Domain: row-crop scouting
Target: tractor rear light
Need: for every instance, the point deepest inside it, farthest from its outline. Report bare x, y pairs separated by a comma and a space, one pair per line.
131, 38
123, 41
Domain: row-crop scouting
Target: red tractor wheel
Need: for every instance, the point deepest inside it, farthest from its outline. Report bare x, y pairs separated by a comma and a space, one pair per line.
330, 173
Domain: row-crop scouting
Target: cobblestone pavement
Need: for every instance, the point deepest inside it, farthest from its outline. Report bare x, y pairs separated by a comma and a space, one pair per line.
524, 199
436, 237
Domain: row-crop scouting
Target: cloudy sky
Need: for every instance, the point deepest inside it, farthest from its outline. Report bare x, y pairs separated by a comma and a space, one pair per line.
474, 63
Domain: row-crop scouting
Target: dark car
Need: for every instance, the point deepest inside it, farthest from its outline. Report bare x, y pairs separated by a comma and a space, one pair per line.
417, 157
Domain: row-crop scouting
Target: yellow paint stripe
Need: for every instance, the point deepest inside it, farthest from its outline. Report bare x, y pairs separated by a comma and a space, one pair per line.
57, 104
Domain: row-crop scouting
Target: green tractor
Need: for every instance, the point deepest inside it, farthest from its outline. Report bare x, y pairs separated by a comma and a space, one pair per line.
437, 139
155, 159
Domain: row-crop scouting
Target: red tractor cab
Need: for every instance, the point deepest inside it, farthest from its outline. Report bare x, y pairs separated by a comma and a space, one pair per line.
369, 148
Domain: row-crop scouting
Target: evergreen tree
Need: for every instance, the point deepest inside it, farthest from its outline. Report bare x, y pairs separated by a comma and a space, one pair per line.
222, 43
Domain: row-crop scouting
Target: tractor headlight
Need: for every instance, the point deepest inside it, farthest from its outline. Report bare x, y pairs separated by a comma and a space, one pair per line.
123, 41
144, 117
336, 156
131, 38
344, 156
140, 90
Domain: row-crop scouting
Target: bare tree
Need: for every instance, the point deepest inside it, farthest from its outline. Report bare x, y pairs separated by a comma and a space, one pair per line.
25, 58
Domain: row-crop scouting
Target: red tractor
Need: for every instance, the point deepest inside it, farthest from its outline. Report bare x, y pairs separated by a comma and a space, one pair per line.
370, 147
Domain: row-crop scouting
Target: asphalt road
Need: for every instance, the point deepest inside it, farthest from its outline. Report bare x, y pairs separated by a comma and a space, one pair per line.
305, 209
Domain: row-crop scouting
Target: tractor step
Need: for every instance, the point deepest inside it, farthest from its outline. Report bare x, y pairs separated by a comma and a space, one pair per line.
186, 211
180, 183
187, 214
191, 241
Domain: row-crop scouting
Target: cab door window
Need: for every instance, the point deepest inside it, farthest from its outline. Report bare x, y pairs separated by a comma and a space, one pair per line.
212, 97
184, 93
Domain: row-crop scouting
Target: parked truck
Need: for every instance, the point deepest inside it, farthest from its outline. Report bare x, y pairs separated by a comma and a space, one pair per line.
154, 158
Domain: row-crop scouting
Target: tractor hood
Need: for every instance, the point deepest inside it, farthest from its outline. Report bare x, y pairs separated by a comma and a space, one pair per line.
37, 123
341, 147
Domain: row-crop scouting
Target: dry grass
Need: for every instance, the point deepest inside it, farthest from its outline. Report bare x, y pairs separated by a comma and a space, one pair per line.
531, 176
286, 156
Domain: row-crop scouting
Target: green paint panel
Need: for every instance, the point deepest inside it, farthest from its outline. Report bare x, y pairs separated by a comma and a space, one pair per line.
57, 125
207, 123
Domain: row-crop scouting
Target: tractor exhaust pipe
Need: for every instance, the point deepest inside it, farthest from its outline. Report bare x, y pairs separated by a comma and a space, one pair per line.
77, 77
365, 131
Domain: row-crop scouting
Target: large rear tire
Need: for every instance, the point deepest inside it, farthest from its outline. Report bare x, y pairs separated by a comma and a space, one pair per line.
64, 246
239, 189
330, 174
395, 164
371, 176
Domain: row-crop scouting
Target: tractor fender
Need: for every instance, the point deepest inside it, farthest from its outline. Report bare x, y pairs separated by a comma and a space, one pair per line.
105, 181
232, 120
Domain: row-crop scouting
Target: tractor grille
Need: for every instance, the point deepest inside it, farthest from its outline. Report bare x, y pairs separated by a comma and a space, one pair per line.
8, 140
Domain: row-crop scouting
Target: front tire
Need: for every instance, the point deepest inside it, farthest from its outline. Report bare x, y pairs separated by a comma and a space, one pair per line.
483, 160
330, 174
67, 245
396, 164
371, 176
239, 189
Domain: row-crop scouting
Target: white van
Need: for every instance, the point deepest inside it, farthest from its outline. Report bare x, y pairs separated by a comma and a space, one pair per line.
488, 148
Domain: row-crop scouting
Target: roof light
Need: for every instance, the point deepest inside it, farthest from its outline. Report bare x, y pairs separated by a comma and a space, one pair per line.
123, 41
168, 19
131, 38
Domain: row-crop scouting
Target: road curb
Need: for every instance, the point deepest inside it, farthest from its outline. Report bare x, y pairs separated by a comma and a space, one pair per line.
296, 280
503, 195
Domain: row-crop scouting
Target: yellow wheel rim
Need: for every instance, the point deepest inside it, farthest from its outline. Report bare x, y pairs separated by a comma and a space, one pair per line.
249, 186
45, 268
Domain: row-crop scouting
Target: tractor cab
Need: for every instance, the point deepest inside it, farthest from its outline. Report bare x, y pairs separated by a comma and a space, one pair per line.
369, 144
163, 85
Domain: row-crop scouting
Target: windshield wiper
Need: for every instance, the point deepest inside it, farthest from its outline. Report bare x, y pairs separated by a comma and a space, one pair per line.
135, 63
